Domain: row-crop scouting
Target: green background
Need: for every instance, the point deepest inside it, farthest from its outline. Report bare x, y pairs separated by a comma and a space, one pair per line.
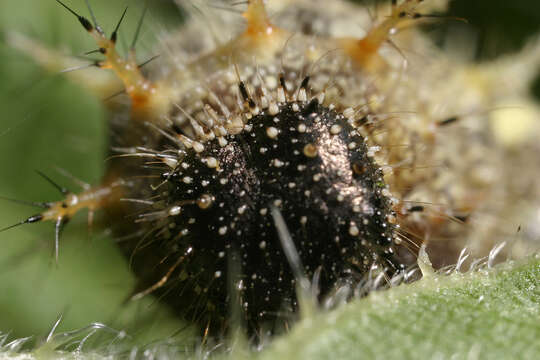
47, 122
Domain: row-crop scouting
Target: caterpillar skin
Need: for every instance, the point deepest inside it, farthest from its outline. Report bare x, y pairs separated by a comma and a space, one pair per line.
295, 149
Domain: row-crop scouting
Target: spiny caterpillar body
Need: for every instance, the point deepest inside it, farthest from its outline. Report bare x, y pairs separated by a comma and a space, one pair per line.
290, 135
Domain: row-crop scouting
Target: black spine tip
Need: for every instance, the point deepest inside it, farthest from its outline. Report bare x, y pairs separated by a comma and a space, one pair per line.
43, 205
31, 219
243, 91
34, 219
84, 21
416, 208
114, 35
305, 83
282, 82
148, 61
449, 121
61, 189
311, 107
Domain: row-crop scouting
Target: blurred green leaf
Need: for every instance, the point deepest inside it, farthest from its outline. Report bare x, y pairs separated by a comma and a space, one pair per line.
46, 123
484, 315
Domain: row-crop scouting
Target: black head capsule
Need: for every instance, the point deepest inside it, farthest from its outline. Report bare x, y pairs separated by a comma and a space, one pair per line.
306, 161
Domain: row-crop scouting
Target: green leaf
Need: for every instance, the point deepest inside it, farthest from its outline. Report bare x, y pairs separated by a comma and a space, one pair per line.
490, 314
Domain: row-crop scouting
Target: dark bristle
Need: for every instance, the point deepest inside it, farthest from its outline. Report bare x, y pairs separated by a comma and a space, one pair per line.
139, 26
96, 25
311, 106
84, 21
143, 64
61, 189
243, 90
30, 220
282, 82
114, 35
42, 205
305, 83
448, 121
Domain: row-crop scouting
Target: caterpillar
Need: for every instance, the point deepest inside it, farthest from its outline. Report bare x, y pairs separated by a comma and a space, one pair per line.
336, 152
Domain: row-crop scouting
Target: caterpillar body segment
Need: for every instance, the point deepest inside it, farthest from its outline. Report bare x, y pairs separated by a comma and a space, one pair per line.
61, 212
99, 82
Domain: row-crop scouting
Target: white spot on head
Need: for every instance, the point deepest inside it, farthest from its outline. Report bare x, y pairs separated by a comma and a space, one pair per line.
222, 141
205, 201
175, 210
272, 132
211, 162
335, 129
353, 230
310, 150
242, 209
